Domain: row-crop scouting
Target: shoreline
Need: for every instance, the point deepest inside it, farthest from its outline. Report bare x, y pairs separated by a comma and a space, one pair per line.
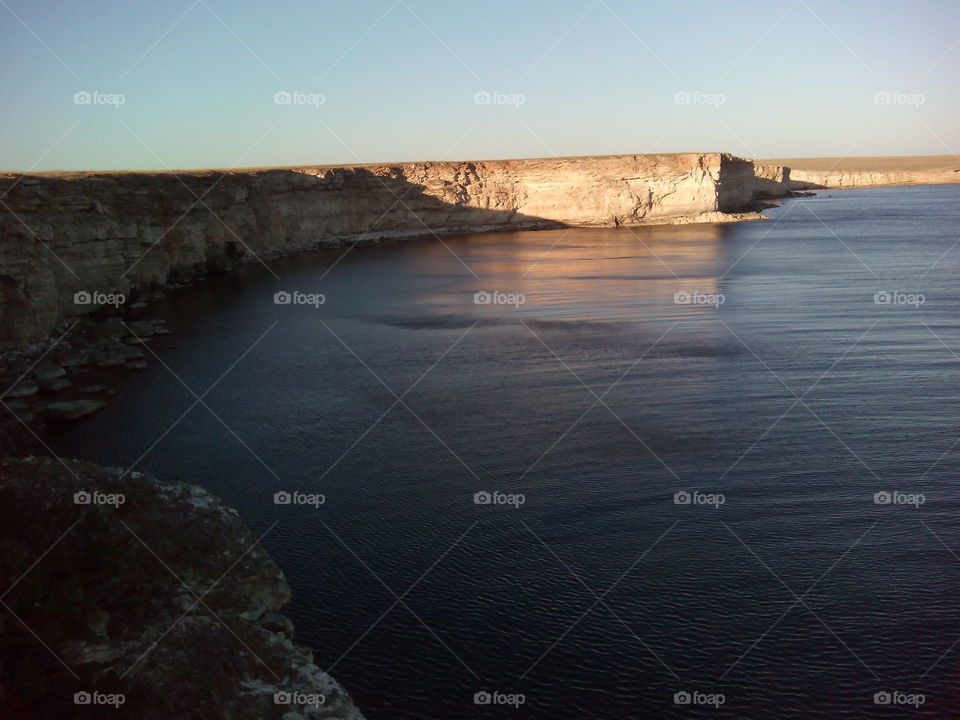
79, 366
134, 233
90, 234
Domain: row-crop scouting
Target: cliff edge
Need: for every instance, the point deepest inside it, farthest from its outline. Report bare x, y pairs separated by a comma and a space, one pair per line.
126, 597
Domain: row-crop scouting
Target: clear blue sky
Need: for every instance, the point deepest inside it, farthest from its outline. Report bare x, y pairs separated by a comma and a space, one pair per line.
398, 80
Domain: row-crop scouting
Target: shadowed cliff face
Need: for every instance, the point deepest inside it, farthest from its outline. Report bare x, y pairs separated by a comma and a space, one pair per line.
127, 232
156, 602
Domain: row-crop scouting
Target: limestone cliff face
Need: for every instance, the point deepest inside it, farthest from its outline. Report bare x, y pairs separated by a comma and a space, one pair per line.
781, 176
812, 179
117, 231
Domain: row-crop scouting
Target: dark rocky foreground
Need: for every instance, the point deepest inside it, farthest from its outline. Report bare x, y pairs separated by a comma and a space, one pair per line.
126, 597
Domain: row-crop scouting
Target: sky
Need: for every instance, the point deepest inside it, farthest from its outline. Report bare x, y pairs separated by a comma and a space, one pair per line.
140, 84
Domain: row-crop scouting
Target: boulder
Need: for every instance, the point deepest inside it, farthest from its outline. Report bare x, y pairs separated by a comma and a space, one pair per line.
111, 328
24, 388
55, 385
23, 410
116, 354
47, 372
141, 328
73, 409
71, 357
276, 623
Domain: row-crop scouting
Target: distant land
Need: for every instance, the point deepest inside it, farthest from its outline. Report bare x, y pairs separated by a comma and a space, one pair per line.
872, 171
945, 164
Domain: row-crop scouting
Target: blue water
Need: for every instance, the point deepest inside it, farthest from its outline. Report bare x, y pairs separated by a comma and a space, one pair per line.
798, 398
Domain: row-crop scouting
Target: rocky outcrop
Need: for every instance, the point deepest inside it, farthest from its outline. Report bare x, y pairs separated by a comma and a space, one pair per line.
155, 603
69, 241
50, 383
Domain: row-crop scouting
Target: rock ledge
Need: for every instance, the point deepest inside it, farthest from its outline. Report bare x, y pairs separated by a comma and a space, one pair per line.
156, 592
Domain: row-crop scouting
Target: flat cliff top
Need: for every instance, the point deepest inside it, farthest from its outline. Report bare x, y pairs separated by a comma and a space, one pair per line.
506, 163
905, 163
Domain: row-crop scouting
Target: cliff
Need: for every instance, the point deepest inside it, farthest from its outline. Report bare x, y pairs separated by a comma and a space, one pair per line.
125, 232
790, 174
155, 603
130, 232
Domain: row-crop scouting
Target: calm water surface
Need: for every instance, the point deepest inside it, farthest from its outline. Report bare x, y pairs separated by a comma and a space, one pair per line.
598, 399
